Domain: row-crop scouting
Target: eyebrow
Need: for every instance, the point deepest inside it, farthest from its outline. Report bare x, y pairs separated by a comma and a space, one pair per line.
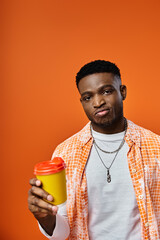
99, 89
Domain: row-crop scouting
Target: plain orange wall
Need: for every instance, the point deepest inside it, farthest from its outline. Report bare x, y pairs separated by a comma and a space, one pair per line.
44, 43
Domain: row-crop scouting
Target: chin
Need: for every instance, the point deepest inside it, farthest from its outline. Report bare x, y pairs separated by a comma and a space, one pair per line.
103, 122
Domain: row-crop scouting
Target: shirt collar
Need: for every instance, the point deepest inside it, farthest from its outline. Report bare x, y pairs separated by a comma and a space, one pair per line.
132, 134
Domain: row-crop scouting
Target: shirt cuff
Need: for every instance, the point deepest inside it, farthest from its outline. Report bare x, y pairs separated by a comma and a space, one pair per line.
61, 231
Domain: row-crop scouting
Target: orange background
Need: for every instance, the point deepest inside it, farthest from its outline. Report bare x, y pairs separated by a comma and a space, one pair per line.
44, 43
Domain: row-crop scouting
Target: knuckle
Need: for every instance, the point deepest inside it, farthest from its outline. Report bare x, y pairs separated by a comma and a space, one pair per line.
36, 201
39, 210
30, 207
32, 189
35, 209
30, 197
30, 200
44, 195
29, 192
30, 181
49, 207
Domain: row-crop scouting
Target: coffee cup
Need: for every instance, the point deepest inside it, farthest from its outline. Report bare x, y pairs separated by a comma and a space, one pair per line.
52, 175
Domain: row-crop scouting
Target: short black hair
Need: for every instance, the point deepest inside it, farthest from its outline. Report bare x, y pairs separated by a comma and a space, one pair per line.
97, 66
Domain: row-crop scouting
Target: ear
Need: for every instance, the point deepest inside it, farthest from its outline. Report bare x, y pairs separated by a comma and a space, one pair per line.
123, 90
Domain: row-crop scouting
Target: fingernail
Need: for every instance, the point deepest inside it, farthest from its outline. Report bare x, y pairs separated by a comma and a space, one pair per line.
38, 182
49, 198
54, 209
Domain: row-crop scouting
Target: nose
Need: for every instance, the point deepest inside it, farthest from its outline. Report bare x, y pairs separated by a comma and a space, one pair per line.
98, 101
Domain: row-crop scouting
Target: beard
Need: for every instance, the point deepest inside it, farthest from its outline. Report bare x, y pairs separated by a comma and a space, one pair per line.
109, 121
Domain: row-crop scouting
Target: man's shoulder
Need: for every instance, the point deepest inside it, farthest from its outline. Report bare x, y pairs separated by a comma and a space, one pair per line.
145, 134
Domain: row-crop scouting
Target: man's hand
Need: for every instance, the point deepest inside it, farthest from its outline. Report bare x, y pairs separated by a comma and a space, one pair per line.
43, 211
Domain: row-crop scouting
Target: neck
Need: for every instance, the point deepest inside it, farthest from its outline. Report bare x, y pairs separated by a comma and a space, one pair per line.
111, 128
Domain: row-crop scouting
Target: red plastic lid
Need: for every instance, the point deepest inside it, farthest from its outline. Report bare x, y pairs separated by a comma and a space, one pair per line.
48, 167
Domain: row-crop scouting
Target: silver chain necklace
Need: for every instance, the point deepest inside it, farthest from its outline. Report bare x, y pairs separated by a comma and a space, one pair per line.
120, 146
116, 151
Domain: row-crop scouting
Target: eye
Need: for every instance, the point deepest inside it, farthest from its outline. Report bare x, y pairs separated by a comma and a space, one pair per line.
86, 98
107, 91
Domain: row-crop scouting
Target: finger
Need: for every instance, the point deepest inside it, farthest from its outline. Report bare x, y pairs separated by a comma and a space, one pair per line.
41, 204
35, 182
37, 191
38, 212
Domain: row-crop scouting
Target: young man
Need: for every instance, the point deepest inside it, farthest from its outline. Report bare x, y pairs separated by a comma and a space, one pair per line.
113, 180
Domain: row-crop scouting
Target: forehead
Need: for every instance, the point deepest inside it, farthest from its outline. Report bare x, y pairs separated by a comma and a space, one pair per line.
95, 81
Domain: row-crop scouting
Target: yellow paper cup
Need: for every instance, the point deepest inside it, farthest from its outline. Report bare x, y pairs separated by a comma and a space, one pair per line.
52, 175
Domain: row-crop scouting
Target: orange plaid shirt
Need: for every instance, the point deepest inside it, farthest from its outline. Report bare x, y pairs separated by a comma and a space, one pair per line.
144, 163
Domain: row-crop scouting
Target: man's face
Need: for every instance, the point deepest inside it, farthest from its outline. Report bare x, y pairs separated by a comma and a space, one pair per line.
102, 98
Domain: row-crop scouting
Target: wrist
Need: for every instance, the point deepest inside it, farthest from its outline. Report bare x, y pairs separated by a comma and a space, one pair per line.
48, 223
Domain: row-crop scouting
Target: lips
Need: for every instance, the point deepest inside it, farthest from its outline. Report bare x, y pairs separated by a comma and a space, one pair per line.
102, 112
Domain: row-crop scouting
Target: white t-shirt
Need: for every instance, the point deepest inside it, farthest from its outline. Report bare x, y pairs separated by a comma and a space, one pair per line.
113, 210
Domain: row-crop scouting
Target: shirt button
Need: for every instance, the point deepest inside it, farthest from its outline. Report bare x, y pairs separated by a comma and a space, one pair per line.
134, 170
147, 224
140, 196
